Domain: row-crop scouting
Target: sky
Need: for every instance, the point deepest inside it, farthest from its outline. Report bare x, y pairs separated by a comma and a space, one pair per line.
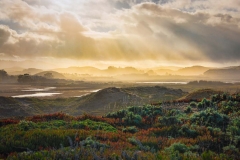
140, 33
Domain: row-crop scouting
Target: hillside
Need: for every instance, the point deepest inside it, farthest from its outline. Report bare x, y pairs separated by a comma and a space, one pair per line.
204, 130
56, 75
111, 71
194, 70
10, 107
78, 70
105, 100
200, 94
163, 71
225, 73
30, 71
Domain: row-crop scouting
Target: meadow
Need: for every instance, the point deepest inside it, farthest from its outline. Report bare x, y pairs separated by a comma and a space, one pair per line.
204, 129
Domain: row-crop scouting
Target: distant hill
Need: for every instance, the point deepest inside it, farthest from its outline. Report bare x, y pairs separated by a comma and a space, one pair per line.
194, 70
20, 70
110, 71
173, 68
116, 71
226, 73
30, 71
13, 69
120, 71
163, 71
78, 70
56, 75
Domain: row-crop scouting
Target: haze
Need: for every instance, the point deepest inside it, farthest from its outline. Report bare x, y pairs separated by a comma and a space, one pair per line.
140, 33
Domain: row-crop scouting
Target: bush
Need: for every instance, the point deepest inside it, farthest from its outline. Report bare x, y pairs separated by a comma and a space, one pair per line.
89, 142
200, 105
136, 142
177, 147
166, 121
132, 118
193, 104
187, 132
92, 125
27, 125
188, 109
132, 129
211, 118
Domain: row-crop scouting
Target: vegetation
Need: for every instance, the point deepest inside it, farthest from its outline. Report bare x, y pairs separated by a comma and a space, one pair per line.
208, 129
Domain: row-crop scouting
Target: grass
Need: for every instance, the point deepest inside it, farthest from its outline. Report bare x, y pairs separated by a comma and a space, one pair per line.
136, 132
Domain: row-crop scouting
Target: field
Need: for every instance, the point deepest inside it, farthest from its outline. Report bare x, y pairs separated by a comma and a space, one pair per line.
203, 130
129, 122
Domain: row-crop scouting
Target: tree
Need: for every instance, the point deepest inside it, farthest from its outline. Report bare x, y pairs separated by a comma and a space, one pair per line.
26, 78
3, 74
48, 75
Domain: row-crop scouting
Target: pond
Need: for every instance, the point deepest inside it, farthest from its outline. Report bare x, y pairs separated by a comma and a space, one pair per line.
53, 91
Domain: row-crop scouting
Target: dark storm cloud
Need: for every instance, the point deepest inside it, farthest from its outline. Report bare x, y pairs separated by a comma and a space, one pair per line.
217, 39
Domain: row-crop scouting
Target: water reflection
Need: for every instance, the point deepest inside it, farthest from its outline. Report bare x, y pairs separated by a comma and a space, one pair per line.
36, 95
164, 82
39, 89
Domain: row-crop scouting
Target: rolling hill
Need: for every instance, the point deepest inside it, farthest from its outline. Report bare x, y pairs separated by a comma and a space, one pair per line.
226, 73
200, 94
78, 70
56, 75
194, 70
98, 103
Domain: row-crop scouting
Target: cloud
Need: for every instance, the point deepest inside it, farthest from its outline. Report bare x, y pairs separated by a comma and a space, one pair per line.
192, 36
167, 31
4, 34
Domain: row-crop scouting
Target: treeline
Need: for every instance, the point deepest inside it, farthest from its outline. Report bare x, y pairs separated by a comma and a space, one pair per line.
203, 82
27, 78
5, 78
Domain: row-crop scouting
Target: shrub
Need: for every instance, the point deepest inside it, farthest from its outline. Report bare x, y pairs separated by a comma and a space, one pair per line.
188, 109
132, 118
177, 147
193, 104
92, 125
166, 121
211, 118
136, 142
27, 125
132, 129
89, 142
187, 132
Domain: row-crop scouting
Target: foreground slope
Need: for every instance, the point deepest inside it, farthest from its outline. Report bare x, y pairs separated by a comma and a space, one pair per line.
147, 132
105, 100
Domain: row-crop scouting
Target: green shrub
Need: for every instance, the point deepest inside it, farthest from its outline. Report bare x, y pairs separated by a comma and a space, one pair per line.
188, 109
171, 120
177, 147
131, 129
193, 104
92, 125
187, 132
27, 125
